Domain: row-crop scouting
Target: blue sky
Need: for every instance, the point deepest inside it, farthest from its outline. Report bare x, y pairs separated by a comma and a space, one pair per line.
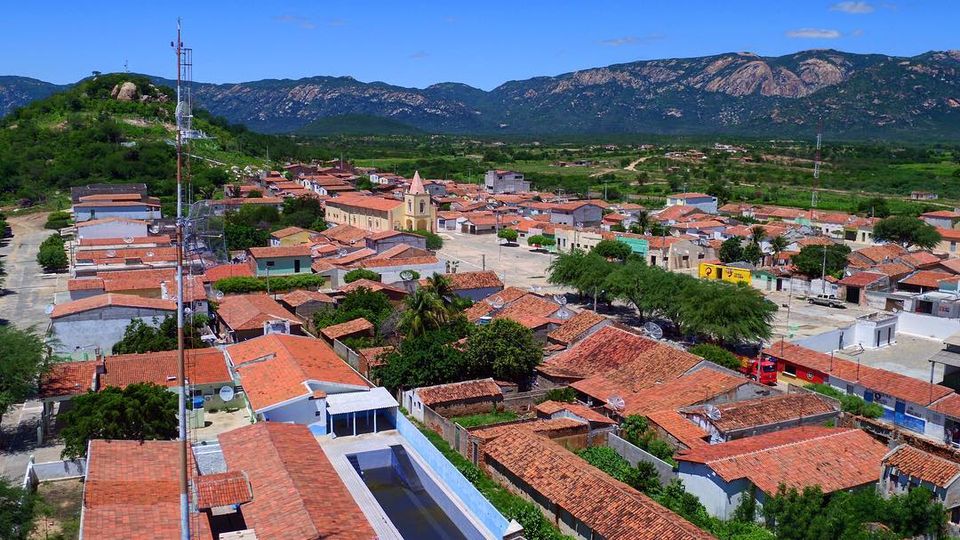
418, 43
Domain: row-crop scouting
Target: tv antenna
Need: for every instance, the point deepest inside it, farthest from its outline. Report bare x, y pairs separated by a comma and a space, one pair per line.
816, 165
497, 302
616, 403
653, 330
712, 411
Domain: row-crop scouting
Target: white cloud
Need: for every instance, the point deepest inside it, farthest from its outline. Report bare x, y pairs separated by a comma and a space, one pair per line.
857, 33
419, 55
813, 33
855, 8
301, 22
632, 40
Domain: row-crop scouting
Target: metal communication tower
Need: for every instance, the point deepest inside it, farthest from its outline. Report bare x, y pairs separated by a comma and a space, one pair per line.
816, 165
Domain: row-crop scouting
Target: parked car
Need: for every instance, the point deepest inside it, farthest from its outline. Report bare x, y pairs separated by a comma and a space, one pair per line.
828, 300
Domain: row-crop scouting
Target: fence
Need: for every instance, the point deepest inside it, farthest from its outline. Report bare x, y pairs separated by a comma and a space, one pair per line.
53, 470
347, 354
471, 497
635, 455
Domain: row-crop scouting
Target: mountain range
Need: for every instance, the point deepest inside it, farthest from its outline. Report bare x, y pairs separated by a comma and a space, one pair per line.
858, 96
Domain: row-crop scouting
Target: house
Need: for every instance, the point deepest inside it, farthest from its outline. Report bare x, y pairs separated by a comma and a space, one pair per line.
77, 192
587, 213
473, 285
923, 196
581, 500
479, 223
551, 410
241, 317
280, 261
750, 417
580, 326
304, 304
130, 491
835, 459
702, 201
948, 242
396, 294
854, 288
454, 399
500, 181
291, 236
383, 241
356, 328
378, 214
81, 327
397, 263
111, 227
922, 281
371, 358
290, 378
120, 205
906, 467
942, 219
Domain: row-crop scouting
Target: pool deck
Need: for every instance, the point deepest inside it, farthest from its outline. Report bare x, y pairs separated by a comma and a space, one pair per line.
337, 450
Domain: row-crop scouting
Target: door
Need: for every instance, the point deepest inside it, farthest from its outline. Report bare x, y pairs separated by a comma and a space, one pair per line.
853, 295
296, 266
899, 412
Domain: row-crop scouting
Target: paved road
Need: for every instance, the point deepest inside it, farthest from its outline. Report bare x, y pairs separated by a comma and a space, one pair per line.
28, 290
516, 265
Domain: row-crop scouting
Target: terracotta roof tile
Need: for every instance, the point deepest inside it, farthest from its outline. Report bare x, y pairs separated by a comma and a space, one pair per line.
85, 284
290, 231
861, 279
280, 251
928, 279
551, 408
251, 311
443, 394
460, 281
373, 286
274, 368
764, 411
223, 271
576, 326
345, 234
923, 465
299, 297
610, 508
111, 299
833, 458
551, 427
203, 366
222, 489
297, 494
68, 379
355, 326
679, 427
689, 389
366, 202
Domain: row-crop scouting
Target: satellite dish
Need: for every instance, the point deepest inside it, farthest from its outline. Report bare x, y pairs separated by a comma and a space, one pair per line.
187, 311
150, 254
218, 295
616, 403
342, 252
563, 314
111, 253
226, 393
407, 275
127, 239
49, 309
497, 302
653, 330
712, 411
560, 299
154, 229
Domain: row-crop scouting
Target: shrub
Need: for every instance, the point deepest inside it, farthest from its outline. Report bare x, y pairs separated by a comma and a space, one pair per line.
565, 394
52, 255
434, 242
716, 354
58, 220
247, 284
848, 402
360, 273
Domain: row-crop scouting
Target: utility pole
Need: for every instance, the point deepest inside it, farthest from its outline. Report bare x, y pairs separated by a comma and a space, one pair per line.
181, 368
823, 272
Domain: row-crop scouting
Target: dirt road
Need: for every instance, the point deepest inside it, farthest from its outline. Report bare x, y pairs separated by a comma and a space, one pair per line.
28, 290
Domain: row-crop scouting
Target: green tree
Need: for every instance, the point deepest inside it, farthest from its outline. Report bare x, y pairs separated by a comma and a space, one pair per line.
510, 235
16, 511
25, 358
810, 260
360, 273
52, 255
777, 245
731, 250
540, 241
423, 360
612, 249
565, 394
424, 311
752, 253
139, 337
716, 354
373, 306
874, 207
141, 411
305, 212
907, 231
727, 313
442, 287
58, 220
641, 222
628, 283
503, 349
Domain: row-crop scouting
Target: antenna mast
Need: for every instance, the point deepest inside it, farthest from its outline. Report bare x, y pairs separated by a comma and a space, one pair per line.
816, 165
182, 55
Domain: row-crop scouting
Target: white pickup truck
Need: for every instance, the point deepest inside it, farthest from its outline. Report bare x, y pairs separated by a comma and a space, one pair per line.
828, 300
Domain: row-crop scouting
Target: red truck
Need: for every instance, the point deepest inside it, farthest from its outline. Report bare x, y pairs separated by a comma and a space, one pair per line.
767, 370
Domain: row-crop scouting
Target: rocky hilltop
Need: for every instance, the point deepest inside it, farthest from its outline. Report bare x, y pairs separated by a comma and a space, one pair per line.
858, 96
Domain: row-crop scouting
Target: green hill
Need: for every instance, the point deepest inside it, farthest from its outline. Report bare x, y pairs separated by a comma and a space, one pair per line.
357, 124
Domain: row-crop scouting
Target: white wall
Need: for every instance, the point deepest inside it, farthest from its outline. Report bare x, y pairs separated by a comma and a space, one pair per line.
927, 326
300, 412
113, 229
717, 496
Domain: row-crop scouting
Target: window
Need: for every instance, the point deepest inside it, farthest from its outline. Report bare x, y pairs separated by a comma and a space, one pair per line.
790, 369
270, 264
953, 246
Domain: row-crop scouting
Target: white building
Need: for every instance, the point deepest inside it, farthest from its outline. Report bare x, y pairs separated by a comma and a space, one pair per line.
500, 181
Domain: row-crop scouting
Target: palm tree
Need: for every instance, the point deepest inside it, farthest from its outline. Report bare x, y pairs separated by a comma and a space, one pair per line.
424, 311
643, 221
441, 286
778, 244
757, 234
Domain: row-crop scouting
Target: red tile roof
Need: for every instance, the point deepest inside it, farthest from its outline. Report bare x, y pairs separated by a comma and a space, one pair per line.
67, 379
300, 297
290, 231
222, 489
101, 301
460, 281
695, 387
130, 492
366, 202
928, 279
861, 279
550, 428
941, 214
274, 368
573, 328
443, 394
297, 494
833, 458
348, 328
764, 411
203, 366
609, 507
85, 284
948, 405
923, 465
551, 408
345, 234
251, 311
223, 271
530, 310
679, 427
280, 251
690, 195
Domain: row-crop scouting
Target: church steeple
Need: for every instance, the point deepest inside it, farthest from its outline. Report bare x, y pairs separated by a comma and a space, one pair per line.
416, 186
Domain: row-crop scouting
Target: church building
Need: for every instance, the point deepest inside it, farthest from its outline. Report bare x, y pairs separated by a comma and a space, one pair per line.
379, 214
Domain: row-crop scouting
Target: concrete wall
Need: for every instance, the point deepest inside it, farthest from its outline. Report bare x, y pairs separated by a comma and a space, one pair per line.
477, 294
475, 501
391, 274
927, 326
116, 229
130, 212
635, 455
303, 411
717, 496
98, 328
